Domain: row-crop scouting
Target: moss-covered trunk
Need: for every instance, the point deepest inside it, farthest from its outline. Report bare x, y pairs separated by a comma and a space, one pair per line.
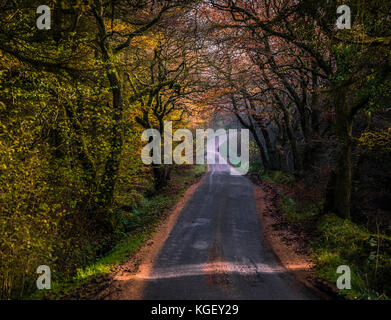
343, 170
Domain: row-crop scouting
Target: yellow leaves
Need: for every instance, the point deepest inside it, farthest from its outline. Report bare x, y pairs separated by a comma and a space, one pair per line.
376, 140
84, 5
146, 42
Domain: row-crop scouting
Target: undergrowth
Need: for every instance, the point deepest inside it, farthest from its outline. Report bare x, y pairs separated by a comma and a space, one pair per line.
138, 225
368, 255
339, 242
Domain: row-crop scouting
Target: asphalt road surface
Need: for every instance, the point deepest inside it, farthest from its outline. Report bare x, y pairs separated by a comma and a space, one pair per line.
216, 249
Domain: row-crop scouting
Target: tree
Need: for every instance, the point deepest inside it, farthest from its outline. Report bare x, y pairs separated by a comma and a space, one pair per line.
309, 28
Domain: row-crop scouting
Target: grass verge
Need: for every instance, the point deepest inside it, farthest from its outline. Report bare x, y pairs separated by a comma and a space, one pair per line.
368, 256
339, 242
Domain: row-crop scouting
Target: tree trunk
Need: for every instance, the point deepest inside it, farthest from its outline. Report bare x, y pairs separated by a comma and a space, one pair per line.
297, 161
264, 155
264, 152
116, 143
161, 175
110, 174
274, 158
342, 184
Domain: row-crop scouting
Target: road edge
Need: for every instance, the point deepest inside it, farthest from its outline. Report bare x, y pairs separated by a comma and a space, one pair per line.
300, 266
127, 281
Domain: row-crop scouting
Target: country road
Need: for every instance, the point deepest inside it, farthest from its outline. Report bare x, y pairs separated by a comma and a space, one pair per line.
112, 114
216, 250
